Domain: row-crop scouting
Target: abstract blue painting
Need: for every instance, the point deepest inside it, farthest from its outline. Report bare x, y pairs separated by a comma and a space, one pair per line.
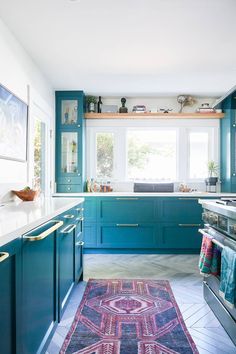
13, 126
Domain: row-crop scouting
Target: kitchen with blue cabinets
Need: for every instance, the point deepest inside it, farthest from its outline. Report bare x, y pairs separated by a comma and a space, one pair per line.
117, 177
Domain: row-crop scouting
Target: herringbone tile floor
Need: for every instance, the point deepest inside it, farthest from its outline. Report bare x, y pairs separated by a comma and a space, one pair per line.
186, 283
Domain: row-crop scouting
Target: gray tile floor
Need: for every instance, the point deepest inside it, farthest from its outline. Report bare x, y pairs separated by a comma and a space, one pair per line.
180, 270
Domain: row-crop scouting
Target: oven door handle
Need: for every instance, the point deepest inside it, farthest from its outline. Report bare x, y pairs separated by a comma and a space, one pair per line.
204, 232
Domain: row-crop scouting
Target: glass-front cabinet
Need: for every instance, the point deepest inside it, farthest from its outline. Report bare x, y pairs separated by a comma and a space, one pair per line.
69, 141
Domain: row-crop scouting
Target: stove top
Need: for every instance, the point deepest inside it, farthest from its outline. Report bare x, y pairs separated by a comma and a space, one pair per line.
227, 201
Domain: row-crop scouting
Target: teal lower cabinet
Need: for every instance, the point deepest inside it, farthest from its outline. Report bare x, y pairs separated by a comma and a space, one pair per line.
39, 274
90, 235
180, 236
142, 224
127, 236
10, 297
66, 254
78, 275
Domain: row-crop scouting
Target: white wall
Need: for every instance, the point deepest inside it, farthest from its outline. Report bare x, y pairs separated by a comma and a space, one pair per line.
19, 74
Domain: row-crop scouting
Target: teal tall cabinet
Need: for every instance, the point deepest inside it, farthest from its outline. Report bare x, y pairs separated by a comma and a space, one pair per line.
228, 145
70, 171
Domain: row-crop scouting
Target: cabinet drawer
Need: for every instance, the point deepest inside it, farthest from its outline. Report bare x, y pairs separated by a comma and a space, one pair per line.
127, 210
181, 210
69, 188
69, 180
127, 236
183, 236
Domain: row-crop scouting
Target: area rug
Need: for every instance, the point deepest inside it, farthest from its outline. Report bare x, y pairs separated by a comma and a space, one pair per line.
128, 317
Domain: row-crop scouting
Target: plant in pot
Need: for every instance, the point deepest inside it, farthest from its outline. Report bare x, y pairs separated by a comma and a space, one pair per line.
212, 179
91, 103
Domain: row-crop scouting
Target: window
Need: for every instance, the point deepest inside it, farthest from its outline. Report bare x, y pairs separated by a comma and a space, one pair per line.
198, 154
104, 155
151, 150
151, 154
39, 155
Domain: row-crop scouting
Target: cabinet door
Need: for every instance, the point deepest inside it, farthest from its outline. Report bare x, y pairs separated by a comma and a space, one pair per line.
130, 209
70, 156
66, 237
78, 259
90, 209
39, 286
90, 235
9, 297
182, 210
69, 109
180, 236
127, 236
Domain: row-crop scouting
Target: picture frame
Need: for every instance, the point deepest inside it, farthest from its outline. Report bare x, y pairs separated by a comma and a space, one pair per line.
13, 126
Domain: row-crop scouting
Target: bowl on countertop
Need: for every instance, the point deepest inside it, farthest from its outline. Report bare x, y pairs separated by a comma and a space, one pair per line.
27, 195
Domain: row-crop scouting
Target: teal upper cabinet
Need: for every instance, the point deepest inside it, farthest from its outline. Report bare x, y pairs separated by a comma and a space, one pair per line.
228, 145
70, 141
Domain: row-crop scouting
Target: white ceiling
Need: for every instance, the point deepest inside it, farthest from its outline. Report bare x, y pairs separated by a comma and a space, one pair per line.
132, 47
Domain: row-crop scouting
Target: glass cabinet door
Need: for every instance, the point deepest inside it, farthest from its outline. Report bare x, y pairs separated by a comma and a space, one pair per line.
69, 112
69, 152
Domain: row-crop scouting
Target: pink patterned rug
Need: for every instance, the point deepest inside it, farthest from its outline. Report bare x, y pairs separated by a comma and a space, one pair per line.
128, 317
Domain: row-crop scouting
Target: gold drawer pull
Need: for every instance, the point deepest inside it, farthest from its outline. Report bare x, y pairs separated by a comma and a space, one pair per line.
80, 243
3, 256
66, 230
46, 233
189, 225
127, 225
69, 216
127, 198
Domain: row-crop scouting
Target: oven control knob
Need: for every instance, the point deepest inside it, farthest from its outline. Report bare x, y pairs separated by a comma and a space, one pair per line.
205, 217
213, 219
232, 229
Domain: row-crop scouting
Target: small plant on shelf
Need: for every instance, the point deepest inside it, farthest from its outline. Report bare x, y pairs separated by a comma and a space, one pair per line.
91, 102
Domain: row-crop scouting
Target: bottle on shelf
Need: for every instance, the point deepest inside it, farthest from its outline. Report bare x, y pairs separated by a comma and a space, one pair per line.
99, 104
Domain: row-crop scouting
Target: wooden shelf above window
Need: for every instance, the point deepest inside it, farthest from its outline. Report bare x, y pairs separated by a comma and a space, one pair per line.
133, 115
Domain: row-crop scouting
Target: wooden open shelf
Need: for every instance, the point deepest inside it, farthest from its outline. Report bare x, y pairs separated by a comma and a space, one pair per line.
133, 115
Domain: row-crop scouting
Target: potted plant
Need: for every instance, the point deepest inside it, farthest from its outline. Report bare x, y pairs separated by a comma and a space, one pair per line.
91, 103
212, 174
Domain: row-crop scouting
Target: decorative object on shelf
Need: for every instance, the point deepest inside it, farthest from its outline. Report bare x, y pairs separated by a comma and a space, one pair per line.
166, 110
13, 123
139, 108
27, 194
212, 180
91, 103
123, 109
109, 108
185, 100
99, 104
184, 188
205, 108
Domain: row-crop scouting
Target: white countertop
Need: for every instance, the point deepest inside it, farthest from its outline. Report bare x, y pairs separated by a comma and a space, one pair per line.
134, 194
17, 218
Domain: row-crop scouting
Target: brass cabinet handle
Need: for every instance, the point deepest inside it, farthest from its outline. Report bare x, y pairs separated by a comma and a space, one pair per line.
80, 243
45, 233
188, 198
68, 216
189, 225
68, 229
79, 219
3, 256
79, 209
127, 225
127, 198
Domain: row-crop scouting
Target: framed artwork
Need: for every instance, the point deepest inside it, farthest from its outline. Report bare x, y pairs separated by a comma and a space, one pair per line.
13, 126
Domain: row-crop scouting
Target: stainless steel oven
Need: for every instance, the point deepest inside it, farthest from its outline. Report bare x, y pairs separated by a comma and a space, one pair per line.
222, 229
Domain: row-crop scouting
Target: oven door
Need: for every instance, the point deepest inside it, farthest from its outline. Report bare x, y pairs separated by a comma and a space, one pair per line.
213, 281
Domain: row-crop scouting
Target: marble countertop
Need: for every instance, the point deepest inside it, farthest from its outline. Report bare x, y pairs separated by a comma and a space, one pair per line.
17, 218
133, 194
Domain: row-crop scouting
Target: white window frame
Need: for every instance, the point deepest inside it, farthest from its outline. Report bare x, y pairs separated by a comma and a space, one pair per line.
119, 127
